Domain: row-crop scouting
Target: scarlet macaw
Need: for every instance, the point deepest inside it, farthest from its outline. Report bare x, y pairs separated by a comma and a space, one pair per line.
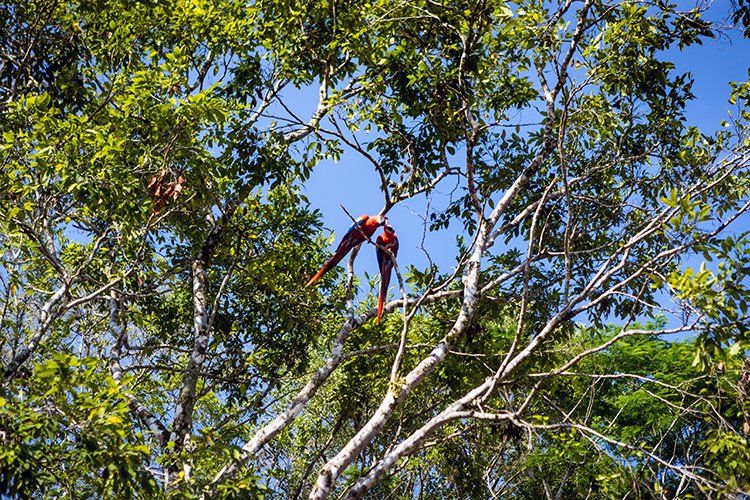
364, 224
386, 240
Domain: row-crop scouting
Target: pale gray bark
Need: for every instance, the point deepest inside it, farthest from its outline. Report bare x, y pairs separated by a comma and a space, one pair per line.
183, 419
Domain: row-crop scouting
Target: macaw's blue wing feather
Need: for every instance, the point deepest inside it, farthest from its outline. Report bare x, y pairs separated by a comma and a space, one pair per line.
359, 222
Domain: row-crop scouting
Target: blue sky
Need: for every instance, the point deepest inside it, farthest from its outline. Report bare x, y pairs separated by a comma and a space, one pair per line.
353, 182
718, 61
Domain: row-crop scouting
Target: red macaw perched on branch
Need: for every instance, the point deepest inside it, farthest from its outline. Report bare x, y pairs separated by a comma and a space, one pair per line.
389, 241
354, 236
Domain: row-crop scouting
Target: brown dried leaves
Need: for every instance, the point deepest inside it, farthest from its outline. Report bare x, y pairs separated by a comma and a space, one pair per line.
161, 190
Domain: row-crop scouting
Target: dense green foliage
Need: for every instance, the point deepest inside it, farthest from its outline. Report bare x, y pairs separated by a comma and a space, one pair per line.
156, 336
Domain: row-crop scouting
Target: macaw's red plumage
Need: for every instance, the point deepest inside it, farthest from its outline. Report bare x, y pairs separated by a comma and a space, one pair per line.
366, 224
389, 241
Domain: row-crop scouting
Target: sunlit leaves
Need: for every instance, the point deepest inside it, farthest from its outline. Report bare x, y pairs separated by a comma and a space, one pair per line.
69, 431
144, 138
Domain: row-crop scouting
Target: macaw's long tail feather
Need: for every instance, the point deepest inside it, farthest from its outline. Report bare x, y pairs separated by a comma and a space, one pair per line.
385, 280
332, 262
381, 303
320, 273
326, 267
